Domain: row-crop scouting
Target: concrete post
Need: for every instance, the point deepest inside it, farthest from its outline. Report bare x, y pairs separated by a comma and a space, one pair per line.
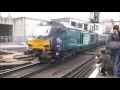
24, 30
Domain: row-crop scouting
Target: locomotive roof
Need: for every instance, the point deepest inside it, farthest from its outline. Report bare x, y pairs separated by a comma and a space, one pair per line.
66, 26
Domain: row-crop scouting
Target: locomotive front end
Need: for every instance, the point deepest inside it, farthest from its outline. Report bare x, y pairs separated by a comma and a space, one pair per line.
38, 44
39, 41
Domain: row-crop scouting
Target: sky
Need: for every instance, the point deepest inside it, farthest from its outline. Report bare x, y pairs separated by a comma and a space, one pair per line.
52, 15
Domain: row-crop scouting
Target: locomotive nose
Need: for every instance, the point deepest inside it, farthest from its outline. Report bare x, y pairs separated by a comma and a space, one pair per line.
39, 44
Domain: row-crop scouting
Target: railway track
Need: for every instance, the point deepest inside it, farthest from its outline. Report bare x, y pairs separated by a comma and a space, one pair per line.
18, 58
22, 71
68, 65
76, 72
81, 71
4, 53
25, 70
22, 57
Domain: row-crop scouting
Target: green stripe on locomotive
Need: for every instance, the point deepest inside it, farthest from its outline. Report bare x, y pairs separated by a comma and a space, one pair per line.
86, 37
72, 38
75, 36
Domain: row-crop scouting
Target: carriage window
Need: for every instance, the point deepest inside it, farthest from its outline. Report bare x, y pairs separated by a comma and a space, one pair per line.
80, 25
73, 23
81, 38
85, 26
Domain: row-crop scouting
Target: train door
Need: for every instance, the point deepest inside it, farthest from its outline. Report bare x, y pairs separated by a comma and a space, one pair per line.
61, 39
86, 39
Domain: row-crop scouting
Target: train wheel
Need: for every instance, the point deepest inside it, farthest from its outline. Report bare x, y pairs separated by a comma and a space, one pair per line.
65, 55
75, 52
70, 53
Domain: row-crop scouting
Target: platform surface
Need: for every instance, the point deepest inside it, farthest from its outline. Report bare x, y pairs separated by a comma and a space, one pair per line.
96, 74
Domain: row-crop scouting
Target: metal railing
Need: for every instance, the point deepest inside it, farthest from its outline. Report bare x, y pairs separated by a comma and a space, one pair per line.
13, 39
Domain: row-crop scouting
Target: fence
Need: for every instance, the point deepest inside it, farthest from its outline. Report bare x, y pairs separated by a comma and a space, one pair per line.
13, 39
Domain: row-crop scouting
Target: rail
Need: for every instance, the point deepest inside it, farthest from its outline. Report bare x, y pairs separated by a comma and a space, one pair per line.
8, 72
82, 69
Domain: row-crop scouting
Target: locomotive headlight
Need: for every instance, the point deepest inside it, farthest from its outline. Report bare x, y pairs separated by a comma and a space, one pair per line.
29, 45
57, 53
47, 46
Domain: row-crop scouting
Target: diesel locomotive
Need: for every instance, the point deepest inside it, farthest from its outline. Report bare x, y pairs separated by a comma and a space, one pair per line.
61, 40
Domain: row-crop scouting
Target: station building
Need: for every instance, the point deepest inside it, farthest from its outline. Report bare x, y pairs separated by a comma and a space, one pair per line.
21, 28
17, 29
79, 24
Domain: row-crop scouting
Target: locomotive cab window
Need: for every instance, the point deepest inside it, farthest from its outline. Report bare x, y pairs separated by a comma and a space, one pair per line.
41, 31
73, 23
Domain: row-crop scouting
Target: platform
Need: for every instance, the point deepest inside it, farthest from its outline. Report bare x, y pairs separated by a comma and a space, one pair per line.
96, 74
11, 46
